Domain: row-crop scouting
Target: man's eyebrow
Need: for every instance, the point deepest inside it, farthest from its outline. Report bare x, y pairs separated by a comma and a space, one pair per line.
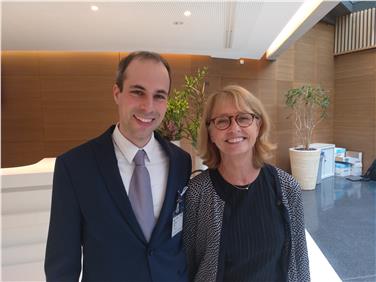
136, 86
161, 91
140, 87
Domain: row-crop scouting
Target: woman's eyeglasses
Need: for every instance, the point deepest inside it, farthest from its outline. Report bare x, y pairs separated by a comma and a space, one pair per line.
224, 122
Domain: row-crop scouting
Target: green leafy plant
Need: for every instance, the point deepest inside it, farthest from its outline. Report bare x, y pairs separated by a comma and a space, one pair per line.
309, 105
185, 108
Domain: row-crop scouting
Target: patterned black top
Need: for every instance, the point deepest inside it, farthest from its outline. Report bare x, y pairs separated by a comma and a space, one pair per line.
253, 232
203, 218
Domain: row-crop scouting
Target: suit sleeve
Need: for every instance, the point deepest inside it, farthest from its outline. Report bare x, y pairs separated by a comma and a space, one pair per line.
63, 251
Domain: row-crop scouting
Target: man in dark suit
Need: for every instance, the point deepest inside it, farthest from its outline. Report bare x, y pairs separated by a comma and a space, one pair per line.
123, 216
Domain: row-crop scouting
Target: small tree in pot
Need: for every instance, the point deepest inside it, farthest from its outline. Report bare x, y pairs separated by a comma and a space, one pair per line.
309, 105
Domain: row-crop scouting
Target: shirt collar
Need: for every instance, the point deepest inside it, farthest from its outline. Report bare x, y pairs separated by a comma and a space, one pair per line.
129, 150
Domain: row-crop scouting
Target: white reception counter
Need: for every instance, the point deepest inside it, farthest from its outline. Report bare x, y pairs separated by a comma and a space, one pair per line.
26, 200
39, 174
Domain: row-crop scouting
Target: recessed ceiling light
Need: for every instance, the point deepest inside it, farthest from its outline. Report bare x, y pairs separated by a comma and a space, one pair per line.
94, 8
178, 23
187, 13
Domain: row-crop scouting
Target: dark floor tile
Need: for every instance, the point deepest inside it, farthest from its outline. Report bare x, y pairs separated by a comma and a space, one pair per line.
340, 215
362, 279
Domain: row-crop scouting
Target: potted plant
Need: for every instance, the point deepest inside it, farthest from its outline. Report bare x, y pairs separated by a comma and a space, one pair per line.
309, 105
184, 109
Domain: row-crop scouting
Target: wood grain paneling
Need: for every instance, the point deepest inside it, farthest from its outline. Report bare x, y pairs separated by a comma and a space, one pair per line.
56, 148
78, 63
285, 138
355, 103
201, 61
250, 84
233, 69
22, 111
266, 70
180, 64
267, 92
21, 153
285, 65
304, 70
213, 83
77, 107
283, 125
19, 63
63, 97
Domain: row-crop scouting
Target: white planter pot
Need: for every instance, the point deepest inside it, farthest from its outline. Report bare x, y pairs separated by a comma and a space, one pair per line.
304, 167
176, 142
199, 164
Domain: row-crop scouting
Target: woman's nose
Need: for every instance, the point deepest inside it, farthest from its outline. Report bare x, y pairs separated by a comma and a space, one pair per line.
234, 126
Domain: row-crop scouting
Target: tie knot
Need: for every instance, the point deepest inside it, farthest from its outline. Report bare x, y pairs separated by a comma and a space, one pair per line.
139, 158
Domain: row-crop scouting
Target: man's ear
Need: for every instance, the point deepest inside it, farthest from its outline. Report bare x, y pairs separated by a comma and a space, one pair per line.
116, 92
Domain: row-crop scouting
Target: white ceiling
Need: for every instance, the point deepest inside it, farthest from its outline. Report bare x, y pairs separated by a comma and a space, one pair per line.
220, 29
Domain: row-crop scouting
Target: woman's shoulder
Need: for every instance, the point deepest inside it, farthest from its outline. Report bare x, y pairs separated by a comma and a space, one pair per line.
202, 179
201, 183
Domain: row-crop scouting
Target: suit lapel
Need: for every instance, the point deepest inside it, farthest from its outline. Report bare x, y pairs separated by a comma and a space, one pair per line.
171, 190
105, 155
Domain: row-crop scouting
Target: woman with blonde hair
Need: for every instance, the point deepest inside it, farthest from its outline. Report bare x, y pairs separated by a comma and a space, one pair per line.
243, 219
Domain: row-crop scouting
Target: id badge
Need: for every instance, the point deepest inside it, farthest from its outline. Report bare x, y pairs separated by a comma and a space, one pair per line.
177, 224
177, 218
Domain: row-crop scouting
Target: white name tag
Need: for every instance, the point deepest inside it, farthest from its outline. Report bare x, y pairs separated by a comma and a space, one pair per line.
177, 224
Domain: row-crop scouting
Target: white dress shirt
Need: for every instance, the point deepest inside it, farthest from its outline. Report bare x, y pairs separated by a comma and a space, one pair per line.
156, 162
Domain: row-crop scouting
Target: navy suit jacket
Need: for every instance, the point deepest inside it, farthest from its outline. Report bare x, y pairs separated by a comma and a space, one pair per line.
91, 213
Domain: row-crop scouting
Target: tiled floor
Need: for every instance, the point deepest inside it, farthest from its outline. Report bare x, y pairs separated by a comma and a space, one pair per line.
340, 215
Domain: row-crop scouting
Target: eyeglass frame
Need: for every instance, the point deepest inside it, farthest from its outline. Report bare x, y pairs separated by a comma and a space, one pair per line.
230, 117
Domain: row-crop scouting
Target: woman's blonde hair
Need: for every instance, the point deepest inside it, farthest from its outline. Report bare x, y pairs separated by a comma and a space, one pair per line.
244, 100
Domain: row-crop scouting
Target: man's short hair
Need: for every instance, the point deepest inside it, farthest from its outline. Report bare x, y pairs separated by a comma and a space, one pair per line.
140, 55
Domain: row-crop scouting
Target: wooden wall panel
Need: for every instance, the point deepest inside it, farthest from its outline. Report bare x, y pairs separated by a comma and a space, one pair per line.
71, 93
78, 63
285, 65
283, 126
355, 103
266, 69
304, 70
21, 108
250, 84
233, 69
77, 107
58, 97
18, 153
20, 63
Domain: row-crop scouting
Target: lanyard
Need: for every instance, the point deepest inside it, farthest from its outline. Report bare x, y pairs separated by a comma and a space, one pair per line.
179, 202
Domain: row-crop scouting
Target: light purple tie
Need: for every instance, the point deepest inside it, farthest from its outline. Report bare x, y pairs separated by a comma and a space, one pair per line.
140, 195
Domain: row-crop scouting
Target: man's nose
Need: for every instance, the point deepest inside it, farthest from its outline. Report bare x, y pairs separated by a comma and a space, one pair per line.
147, 104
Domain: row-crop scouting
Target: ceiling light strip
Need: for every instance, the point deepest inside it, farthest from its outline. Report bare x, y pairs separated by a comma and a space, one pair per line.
305, 10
